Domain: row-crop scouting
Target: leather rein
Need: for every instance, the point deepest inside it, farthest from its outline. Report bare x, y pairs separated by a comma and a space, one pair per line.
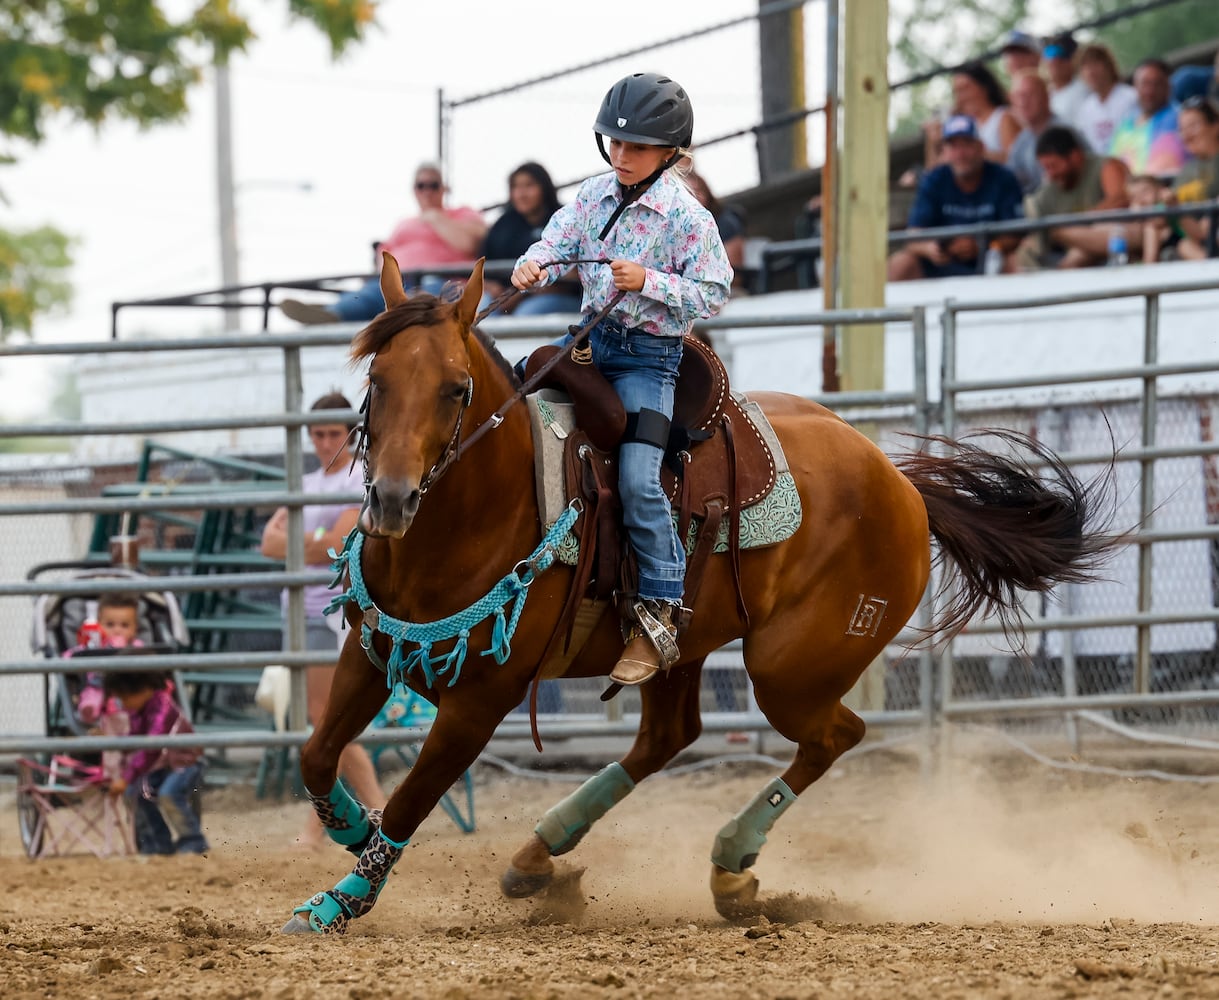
453, 450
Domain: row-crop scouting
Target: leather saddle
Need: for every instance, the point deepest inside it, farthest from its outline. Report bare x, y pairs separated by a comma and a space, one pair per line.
717, 463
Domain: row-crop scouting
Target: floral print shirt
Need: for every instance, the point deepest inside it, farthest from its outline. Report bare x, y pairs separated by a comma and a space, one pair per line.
666, 231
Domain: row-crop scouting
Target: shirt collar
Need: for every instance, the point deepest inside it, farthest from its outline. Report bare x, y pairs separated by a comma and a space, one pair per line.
659, 197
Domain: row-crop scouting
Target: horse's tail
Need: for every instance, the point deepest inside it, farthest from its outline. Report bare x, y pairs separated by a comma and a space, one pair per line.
1007, 528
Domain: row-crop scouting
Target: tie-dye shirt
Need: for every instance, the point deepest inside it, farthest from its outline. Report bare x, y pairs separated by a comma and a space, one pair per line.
666, 231
1152, 145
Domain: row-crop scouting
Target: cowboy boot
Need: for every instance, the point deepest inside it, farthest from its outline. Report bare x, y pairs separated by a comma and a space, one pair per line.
651, 643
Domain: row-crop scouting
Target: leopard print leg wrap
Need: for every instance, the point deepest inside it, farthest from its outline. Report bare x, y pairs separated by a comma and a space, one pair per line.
358, 892
330, 912
345, 819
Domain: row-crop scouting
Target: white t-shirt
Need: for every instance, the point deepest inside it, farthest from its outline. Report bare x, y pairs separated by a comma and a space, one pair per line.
1066, 103
1098, 119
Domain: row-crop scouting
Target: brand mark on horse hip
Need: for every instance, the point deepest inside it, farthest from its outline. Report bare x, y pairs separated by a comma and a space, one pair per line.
869, 611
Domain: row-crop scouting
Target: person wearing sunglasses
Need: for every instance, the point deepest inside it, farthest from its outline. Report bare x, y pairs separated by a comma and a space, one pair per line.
1198, 180
437, 235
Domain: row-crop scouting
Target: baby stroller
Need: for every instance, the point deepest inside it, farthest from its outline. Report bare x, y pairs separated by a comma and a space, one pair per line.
62, 801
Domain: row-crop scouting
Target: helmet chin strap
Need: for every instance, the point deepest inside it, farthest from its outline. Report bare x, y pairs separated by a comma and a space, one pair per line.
631, 192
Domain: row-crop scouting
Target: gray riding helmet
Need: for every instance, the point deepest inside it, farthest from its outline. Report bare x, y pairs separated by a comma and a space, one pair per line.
647, 108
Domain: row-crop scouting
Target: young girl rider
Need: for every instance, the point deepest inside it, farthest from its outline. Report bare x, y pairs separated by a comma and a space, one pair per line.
668, 258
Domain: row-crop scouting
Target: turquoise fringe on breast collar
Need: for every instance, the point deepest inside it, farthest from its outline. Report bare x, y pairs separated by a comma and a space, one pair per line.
514, 587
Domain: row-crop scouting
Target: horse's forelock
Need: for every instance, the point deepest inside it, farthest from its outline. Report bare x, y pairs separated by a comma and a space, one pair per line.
419, 310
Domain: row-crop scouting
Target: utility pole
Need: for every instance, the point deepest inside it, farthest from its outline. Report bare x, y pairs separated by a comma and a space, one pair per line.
226, 199
861, 212
781, 51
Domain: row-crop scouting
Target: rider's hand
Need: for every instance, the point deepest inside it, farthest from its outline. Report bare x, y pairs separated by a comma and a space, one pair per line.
628, 276
526, 274
117, 787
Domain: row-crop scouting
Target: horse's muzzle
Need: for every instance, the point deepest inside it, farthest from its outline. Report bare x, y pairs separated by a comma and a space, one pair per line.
390, 508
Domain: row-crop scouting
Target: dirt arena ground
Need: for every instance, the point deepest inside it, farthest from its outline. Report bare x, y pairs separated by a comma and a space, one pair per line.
995, 878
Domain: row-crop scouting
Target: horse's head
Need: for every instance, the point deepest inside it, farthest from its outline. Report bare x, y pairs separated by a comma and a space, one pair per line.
419, 386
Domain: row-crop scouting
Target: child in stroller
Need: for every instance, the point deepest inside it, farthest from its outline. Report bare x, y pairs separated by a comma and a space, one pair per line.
56, 794
57, 628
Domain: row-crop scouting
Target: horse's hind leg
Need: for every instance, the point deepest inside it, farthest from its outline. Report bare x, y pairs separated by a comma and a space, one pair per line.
669, 723
825, 737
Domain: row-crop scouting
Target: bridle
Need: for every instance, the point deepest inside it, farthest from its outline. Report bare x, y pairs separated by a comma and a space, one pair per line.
453, 450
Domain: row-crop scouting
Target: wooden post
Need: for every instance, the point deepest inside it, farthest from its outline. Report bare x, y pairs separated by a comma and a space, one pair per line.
863, 208
781, 151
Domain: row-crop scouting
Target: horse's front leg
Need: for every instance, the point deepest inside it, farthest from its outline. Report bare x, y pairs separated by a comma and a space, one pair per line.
462, 727
669, 722
356, 695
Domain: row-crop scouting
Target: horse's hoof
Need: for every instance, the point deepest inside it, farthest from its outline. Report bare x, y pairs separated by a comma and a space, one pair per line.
297, 925
323, 914
735, 894
517, 884
563, 902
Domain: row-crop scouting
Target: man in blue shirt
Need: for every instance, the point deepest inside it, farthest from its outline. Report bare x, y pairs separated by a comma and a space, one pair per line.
965, 189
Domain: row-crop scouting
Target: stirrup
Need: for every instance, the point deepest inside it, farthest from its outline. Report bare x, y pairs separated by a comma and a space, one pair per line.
657, 633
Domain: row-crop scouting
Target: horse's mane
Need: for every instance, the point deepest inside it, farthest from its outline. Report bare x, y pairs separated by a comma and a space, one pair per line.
421, 309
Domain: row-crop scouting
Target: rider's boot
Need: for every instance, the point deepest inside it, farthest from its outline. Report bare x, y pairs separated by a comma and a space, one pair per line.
651, 642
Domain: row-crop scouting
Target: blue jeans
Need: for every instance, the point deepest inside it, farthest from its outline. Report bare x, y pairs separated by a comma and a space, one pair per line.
368, 303
642, 368
178, 785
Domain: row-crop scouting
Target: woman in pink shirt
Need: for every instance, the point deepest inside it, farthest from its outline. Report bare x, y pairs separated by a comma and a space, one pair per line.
437, 235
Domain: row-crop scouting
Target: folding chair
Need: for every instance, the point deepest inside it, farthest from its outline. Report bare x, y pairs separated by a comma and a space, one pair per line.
64, 808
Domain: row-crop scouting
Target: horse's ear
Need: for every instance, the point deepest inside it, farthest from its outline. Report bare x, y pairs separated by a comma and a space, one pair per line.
467, 306
391, 281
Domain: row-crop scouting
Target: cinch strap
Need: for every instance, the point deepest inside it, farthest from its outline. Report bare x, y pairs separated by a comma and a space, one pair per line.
738, 843
514, 587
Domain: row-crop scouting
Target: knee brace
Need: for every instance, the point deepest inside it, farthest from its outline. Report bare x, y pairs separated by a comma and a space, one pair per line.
647, 427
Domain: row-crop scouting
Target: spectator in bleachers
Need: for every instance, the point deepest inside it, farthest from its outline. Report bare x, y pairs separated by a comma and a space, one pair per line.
532, 200
1147, 140
437, 235
1067, 89
1196, 81
1020, 51
1110, 99
976, 94
1076, 180
1199, 177
1031, 105
1159, 235
966, 189
730, 221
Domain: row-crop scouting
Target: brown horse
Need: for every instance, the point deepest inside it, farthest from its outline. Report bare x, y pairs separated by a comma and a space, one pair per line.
440, 534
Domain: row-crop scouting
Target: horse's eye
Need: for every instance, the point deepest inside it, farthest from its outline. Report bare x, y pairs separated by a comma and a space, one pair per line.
456, 392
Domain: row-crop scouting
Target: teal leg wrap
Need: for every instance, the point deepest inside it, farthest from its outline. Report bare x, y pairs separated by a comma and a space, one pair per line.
345, 820
355, 894
738, 843
565, 824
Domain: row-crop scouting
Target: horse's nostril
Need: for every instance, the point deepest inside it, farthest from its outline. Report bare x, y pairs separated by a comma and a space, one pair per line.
412, 503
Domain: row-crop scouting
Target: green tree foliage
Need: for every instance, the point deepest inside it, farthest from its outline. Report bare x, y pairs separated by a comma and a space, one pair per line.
33, 276
94, 60
930, 33
1158, 32
133, 59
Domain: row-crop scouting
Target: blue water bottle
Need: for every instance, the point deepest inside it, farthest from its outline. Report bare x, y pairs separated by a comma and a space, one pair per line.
1118, 254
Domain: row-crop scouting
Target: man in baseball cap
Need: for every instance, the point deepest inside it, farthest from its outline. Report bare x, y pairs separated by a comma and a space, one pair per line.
1020, 51
965, 189
1067, 90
